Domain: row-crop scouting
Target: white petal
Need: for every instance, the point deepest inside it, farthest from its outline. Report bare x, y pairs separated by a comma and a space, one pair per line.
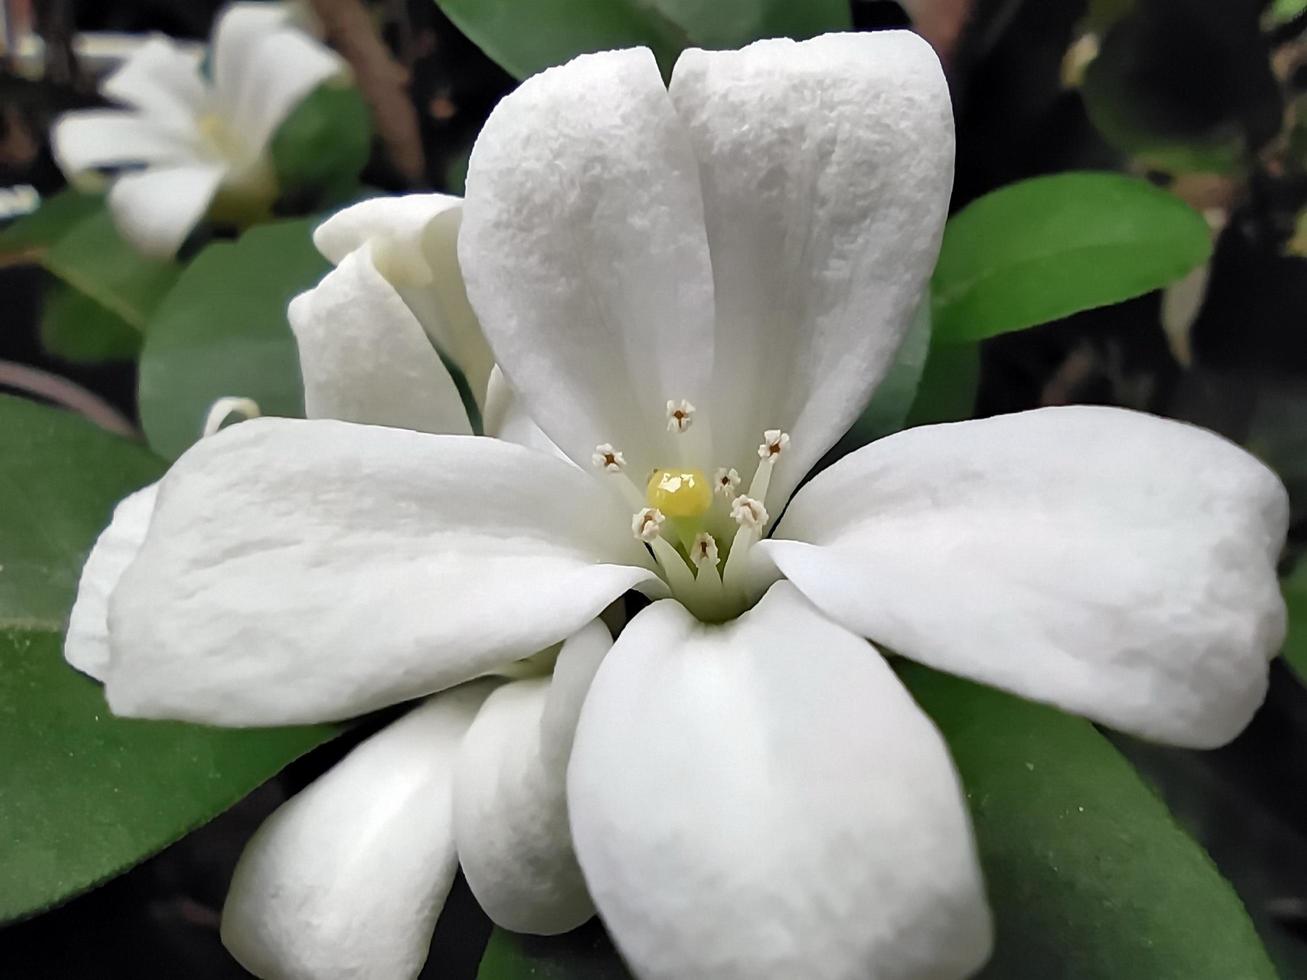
162, 79
1114, 564
101, 138
364, 356
156, 209
510, 801
236, 33
827, 166
346, 880
505, 417
279, 70
86, 645
763, 800
304, 570
585, 256
414, 240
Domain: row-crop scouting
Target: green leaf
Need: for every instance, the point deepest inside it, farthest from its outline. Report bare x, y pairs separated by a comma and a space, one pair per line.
83, 794
1088, 874
1045, 248
94, 259
1283, 11
223, 331
894, 396
60, 478
527, 36
30, 236
583, 954
948, 385
323, 144
78, 329
1294, 587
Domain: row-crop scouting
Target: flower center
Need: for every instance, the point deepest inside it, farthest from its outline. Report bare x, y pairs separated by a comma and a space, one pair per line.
688, 531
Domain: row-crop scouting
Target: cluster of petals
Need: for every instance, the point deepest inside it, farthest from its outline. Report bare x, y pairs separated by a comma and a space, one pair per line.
186, 140
753, 794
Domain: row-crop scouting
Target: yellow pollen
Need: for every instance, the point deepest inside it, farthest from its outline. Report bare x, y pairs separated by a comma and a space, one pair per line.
679, 493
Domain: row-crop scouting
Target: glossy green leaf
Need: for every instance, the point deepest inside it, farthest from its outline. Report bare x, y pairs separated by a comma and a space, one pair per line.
78, 329
527, 36
60, 477
583, 954
83, 794
1088, 874
1294, 587
223, 331
30, 236
1048, 247
322, 146
94, 259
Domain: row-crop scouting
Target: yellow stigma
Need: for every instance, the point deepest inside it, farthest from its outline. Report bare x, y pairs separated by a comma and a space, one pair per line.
679, 493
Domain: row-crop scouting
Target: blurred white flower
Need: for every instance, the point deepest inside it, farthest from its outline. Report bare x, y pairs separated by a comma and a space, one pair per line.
187, 143
710, 279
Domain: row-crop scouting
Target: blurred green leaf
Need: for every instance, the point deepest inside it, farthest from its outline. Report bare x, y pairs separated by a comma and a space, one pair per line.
83, 794
894, 396
31, 235
1048, 247
1185, 85
223, 331
947, 389
583, 954
93, 259
323, 144
527, 36
78, 329
60, 477
1294, 587
1088, 874
1286, 10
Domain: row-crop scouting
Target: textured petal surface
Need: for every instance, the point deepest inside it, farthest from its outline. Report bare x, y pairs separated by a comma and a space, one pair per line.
1115, 564
414, 240
162, 79
827, 166
510, 799
156, 209
101, 138
346, 880
279, 70
585, 255
364, 356
304, 570
763, 800
86, 645
505, 417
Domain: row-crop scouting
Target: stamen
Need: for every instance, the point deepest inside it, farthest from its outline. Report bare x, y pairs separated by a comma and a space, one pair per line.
704, 551
726, 481
607, 458
774, 443
647, 524
221, 409
748, 512
680, 415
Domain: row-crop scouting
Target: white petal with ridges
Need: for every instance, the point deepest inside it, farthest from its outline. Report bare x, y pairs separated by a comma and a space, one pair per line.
586, 259
162, 79
1115, 564
510, 801
86, 645
763, 800
299, 571
346, 881
827, 166
505, 417
364, 357
282, 68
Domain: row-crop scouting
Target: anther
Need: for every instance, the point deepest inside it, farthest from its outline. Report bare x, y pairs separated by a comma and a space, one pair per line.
704, 550
726, 481
680, 415
647, 524
607, 458
748, 512
774, 443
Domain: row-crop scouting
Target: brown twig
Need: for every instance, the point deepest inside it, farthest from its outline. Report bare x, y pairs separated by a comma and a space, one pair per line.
61, 391
381, 79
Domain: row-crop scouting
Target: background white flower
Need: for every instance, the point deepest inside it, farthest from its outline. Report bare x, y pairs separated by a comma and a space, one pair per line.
684, 277
194, 142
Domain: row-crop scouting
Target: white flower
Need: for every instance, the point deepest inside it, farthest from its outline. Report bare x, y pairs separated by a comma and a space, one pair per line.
195, 142
750, 791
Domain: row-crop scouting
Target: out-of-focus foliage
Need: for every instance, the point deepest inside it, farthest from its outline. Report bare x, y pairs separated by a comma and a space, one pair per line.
322, 146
